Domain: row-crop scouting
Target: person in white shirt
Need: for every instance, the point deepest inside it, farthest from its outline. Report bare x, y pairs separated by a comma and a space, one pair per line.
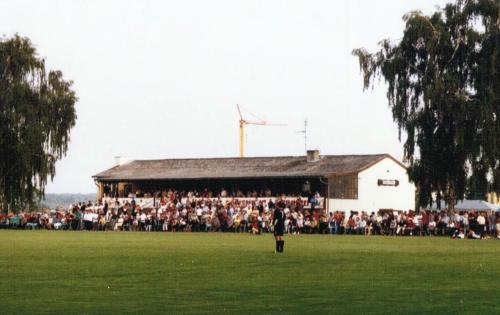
95, 220
119, 223
300, 223
87, 220
432, 226
481, 221
141, 220
417, 220
165, 223
199, 212
473, 235
465, 222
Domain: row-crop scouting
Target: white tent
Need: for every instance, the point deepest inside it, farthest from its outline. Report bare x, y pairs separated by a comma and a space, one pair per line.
469, 205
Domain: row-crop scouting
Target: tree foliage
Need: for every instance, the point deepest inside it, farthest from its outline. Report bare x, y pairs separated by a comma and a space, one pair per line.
36, 115
443, 87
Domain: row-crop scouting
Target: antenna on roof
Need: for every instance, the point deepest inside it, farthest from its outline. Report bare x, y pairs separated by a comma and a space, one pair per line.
305, 135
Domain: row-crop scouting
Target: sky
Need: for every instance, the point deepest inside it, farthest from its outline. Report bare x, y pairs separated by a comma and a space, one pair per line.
161, 79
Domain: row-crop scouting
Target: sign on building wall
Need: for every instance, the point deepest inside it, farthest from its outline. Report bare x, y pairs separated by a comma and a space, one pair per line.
388, 182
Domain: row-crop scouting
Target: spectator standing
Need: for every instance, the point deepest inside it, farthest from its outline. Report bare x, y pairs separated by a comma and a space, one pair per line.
87, 220
481, 223
425, 223
492, 220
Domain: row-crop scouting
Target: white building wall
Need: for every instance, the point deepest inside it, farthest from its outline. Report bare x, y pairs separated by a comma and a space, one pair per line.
372, 197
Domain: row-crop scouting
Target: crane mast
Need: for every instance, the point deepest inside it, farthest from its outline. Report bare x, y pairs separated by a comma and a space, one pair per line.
244, 122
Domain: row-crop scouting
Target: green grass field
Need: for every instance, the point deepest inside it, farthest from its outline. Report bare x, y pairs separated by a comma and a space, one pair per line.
126, 272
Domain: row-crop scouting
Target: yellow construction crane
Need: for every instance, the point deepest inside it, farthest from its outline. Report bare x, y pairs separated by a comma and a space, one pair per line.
244, 122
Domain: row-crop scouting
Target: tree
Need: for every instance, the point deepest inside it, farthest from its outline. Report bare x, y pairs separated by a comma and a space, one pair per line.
36, 115
443, 87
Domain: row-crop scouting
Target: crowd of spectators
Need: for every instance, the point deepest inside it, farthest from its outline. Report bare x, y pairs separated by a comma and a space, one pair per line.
175, 212
455, 224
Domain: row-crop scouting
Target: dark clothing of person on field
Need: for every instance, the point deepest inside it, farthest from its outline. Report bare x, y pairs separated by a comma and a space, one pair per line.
279, 221
279, 226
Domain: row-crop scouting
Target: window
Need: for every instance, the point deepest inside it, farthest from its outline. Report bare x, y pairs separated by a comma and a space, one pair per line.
343, 187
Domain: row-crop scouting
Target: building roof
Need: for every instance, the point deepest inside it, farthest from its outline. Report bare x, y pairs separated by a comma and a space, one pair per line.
231, 168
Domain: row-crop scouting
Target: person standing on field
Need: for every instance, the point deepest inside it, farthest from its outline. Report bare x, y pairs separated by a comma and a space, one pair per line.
279, 226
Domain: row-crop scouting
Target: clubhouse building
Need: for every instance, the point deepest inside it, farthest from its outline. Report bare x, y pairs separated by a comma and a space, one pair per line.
344, 182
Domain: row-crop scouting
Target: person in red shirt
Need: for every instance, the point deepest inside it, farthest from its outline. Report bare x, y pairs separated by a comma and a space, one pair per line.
425, 223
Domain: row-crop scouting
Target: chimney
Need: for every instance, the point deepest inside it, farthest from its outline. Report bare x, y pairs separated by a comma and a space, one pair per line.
120, 160
312, 155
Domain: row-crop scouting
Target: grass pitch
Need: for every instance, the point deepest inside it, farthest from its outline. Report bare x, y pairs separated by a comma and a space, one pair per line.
114, 272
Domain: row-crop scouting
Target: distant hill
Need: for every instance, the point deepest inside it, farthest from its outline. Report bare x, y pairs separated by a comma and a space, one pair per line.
64, 200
